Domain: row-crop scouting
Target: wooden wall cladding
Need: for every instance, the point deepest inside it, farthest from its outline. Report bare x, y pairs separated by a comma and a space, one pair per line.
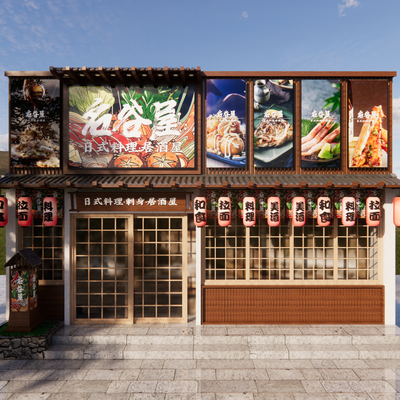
51, 302
293, 305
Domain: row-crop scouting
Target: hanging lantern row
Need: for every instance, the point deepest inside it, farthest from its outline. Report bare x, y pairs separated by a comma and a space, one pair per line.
324, 211
24, 211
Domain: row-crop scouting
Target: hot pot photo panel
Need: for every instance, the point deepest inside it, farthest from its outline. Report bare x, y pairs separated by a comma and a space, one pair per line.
320, 123
35, 122
132, 127
226, 123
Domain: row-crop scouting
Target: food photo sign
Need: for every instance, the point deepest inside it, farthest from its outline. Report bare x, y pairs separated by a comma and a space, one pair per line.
131, 127
368, 136
320, 123
226, 123
273, 123
35, 122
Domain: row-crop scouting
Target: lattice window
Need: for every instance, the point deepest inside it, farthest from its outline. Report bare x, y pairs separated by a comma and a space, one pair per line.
269, 251
48, 244
102, 262
160, 268
225, 250
313, 256
358, 252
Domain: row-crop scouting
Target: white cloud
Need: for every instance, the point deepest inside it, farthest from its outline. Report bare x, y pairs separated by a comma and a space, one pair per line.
348, 4
396, 111
31, 4
245, 14
3, 142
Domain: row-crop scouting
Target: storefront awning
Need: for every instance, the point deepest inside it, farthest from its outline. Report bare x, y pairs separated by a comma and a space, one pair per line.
287, 181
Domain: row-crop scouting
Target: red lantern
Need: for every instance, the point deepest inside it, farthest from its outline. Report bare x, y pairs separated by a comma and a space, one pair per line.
274, 211
249, 211
299, 211
50, 211
24, 211
3, 211
224, 211
396, 211
200, 211
373, 211
324, 215
348, 211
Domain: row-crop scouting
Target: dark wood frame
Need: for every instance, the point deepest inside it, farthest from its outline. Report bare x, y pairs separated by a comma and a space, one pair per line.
182, 76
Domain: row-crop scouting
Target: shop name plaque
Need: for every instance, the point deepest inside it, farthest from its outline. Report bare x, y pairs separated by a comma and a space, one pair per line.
134, 202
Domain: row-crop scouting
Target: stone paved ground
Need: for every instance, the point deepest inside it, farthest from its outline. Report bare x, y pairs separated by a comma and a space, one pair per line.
176, 362
211, 362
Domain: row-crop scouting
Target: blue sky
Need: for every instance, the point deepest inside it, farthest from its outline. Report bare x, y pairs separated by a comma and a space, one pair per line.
285, 35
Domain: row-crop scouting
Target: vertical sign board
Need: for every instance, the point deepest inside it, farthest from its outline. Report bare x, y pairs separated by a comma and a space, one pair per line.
348, 211
226, 123
324, 215
50, 211
249, 211
35, 113
224, 211
320, 123
200, 211
273, 123
24, 211
368, 135
299, 211
3, 211
132, 127
274, 211
373, 212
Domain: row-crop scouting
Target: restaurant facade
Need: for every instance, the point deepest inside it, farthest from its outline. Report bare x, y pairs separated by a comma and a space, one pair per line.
166, 194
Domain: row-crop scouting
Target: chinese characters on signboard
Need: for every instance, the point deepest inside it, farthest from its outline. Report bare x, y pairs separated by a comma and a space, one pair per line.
320, 123
373, 213
368, 136
324, 215
50, 211
200, 211
132, 127
224, 211
249, 211
348, 211
24, 213
274, 211
299, 211
35, 122
226, 123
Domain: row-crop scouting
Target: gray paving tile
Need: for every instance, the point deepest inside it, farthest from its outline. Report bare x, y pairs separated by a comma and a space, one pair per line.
155, 364
179, 364
30, 396
241, 374
225, 364
103, 375
107, 396
313, 387
118, 387
69, 396
176, 387
227, 386
273, 396
375, 374
337, 386
194, 374
345, 374
156, 375
12, 364
371, 387
147, 396
111, 364
351, 364
142, 387
284, 386
129, 375
32, 387
279, 364
59, 375
285, 374
53, 364
85, 387
17, 374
